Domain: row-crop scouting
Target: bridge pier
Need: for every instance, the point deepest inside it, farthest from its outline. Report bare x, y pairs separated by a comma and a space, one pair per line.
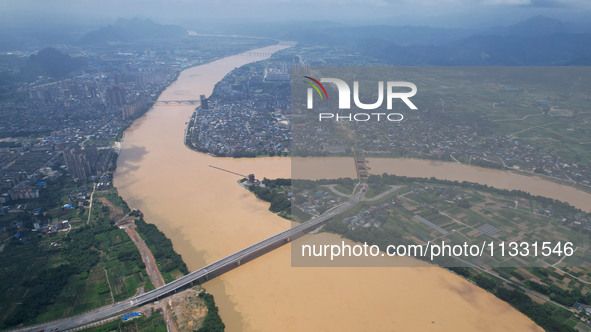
214, 269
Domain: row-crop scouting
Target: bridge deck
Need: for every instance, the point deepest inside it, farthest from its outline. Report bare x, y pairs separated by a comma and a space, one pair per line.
212, 270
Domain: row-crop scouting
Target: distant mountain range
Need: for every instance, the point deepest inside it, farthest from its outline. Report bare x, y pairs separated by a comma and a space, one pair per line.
539, 26
132, 30
537, 41
488, 50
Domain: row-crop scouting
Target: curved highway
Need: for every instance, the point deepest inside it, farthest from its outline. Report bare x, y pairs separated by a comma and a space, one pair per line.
210, 271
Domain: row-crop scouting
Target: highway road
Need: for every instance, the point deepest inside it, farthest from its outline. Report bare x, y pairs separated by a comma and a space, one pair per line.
210, 271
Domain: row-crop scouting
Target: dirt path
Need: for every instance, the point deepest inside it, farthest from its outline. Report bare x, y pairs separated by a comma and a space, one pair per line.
91, 200
147, 257
153, 272
120, 218
116, 213
382, 195
332, 188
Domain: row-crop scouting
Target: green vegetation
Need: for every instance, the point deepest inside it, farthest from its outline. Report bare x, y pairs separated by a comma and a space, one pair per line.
548, 316
562, 296
114, 198
213, 321
345, 185
65, 272
169, 262
51, 200
274, 192
71, 271
42, 291
278, 191
560, 207
380, 238
456, 212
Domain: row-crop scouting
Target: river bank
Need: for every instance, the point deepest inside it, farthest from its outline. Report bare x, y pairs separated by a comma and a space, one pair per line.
208, 216
491, 177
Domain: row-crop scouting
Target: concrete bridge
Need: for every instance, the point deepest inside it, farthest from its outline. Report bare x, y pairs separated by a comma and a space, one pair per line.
261, 54
177, 102
360, 164
199, 276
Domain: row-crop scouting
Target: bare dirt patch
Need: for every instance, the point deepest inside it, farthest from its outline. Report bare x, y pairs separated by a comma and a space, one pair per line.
188, 309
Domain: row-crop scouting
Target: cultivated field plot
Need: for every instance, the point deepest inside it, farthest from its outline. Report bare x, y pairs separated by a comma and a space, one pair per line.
487, 217
492, 219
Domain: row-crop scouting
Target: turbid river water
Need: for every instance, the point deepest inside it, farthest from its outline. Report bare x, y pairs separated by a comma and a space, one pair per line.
207, 216
328, 168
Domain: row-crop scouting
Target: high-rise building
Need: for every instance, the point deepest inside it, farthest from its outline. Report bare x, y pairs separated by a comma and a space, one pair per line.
128, 111
204, 104
116, 96
77, 164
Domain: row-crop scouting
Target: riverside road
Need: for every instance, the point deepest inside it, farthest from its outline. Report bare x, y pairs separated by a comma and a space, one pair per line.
201, 275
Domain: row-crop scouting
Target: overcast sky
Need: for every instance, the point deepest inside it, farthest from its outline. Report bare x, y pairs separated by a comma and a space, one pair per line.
419, 12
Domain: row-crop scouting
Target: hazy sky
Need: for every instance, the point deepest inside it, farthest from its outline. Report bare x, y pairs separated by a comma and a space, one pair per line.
431, 12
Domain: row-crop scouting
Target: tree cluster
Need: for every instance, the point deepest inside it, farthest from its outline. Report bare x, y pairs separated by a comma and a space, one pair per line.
213, 321
161, 246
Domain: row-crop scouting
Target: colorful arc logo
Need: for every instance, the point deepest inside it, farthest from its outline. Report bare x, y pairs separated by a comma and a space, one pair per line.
316, 87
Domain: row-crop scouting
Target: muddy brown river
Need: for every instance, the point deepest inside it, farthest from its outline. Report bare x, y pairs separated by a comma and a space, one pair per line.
207, 215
